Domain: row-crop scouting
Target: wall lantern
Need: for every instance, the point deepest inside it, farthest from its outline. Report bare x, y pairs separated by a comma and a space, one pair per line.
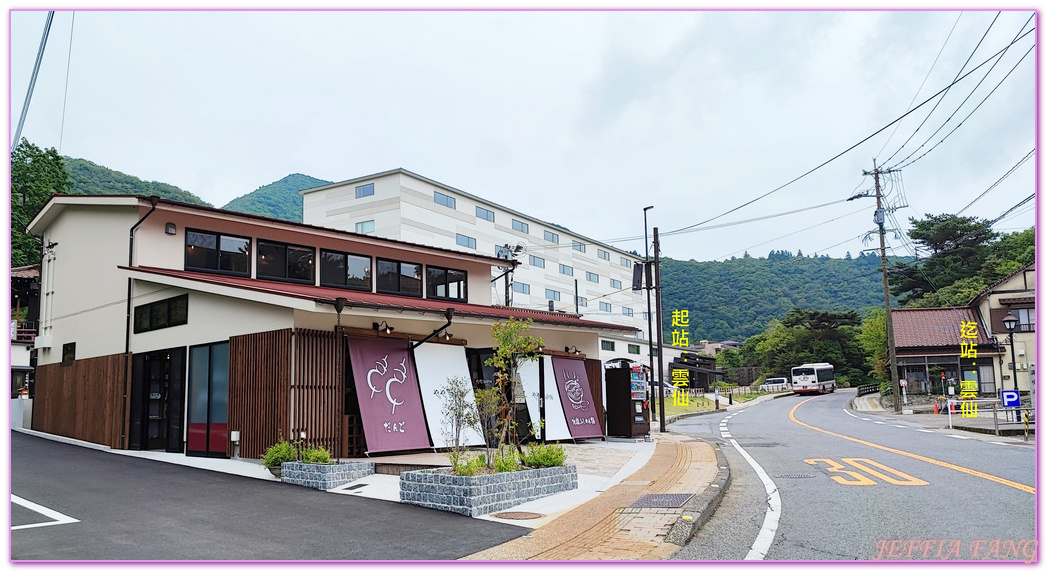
170, 228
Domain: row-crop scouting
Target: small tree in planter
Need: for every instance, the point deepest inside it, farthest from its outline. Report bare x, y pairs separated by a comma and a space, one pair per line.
514, 347
459, 414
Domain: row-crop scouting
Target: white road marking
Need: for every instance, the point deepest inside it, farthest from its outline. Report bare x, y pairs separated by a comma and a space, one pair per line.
725, 434
866, 419
763, 541
851, 414
899, 426
878, 422
957, 436
925, 431
57, 517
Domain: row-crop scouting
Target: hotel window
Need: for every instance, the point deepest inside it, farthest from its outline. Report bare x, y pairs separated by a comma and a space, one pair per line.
536, 261
484, 214
162, 314
552, 237
577, 246
607, 345
644, 315
365, 227
634, 349
286, 261
626, 263
465, 241
552, 294
1026, 319
592, 277
583, 302
521, 288
344, 270
565, 269
394, 277
520, 226
445, 283
603, 254
442, 199
605, 306
616, 283
214, 252
365, 190
627, 311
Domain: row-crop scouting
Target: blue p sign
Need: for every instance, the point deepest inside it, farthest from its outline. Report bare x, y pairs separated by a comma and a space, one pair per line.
1010, 398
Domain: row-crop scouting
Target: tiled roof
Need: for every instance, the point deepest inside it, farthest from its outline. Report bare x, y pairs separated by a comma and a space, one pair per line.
31, 271
929, 327
1020, 300
383, 301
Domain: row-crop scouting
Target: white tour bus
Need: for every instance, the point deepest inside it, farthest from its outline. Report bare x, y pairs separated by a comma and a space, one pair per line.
814, 378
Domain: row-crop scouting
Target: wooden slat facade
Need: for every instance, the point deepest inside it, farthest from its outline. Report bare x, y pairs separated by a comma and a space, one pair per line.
83, 400
318, 392
260, 390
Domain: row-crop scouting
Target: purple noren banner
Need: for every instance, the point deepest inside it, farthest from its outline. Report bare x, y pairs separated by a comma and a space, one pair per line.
576, 398
390, 402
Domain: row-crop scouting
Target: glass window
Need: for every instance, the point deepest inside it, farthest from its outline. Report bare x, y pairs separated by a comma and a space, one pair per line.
445, 283
285, 261
552, 237
552, 294
215, 252
520, 226
162, 314
395, 277
345, 270
603, 254
583, 302
607, 345
577, 246
1026, 319
442, 199
627, 311
365, 190
521, 288
466, 241
634, 349
365, 227
484, 214
626, 263
605, 306
537, 261
565, 269
616, 283
592, 277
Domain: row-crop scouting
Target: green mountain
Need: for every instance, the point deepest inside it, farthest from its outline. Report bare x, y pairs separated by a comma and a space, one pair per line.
277, 200
734, 299
92, 179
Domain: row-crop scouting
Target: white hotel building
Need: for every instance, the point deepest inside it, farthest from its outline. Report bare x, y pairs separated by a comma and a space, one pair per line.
402, 205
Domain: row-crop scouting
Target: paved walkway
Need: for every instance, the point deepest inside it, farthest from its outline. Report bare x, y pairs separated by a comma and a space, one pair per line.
605, 528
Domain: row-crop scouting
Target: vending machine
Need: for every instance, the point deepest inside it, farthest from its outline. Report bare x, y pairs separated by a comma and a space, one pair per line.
628, 408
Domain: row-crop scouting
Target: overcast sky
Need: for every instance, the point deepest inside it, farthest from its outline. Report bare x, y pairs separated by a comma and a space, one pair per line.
578, 118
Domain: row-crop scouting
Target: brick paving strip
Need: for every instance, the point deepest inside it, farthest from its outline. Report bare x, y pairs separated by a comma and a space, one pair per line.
605, 529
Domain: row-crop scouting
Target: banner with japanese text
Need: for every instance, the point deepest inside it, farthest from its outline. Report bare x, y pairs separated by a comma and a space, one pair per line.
386, 387
575, 397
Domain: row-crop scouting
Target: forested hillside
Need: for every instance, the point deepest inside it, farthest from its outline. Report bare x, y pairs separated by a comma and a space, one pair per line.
277, 200
735, 299
92, 179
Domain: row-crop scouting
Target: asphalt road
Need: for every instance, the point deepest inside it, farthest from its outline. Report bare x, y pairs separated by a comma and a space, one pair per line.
136, 509
902, 490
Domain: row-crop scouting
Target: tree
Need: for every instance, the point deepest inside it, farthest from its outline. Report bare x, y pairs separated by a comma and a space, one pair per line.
35, 175
514, 346
873, 338
822, 324
959, 293
959, 247
459, 414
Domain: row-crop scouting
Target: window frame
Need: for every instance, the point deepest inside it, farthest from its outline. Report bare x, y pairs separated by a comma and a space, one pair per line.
633, 349
592, 277
582, 302
570, 270
603, 254
532, 258
616, 283
483, 216
470, 241
579, 246
525, 288
357, 226
399, 278
1026, 319
430, 288
347, 286
605, 307
446, 199
150, 307
218, 246
555, 297
524, 227
626, 262
361, 190
552, 237
285, 246
607, 345
627, 311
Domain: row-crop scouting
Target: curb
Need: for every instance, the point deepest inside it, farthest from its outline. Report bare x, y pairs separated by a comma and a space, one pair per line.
61, 439
702, 507
724, 410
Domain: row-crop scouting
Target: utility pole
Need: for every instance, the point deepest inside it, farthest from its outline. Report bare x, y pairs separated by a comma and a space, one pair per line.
879, 219
647, 282
658, 308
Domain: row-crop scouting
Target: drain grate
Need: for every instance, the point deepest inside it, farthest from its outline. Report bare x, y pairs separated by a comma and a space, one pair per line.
517, 515
354, 487
665, 500
794, 476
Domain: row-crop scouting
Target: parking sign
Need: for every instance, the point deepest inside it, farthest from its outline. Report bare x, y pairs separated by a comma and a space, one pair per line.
1010, 398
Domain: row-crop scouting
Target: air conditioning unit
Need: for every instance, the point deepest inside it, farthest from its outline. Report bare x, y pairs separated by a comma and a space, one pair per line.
42, 342
1021, 352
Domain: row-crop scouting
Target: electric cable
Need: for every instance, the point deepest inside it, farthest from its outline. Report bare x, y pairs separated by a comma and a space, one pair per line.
998, 181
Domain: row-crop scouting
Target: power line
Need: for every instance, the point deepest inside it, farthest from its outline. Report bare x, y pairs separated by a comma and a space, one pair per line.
792, 233
1000, 180
65, 93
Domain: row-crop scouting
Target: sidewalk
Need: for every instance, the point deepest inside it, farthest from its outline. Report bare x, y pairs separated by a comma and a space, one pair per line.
982, 423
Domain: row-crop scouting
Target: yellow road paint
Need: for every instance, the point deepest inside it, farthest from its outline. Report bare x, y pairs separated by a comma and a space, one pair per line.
834, 467
906, 480
993, 478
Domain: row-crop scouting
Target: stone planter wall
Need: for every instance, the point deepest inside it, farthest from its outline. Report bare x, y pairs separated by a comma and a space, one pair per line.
324, 477
483, 494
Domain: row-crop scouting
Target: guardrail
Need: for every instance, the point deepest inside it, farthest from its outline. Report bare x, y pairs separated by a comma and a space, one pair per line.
867, 389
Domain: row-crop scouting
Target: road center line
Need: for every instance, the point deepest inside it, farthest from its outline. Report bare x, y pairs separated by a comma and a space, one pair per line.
774, 509
995, 479
57, 517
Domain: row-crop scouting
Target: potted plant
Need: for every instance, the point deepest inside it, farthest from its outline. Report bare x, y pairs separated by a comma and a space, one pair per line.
318, 469
283, 451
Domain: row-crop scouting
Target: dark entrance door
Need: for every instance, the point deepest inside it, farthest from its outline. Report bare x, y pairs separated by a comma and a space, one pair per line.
208, 408
157, 389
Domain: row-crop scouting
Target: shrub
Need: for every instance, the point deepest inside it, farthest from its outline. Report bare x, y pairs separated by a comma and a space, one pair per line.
541, 455
506, 462
471, 467
317, 455
282, 452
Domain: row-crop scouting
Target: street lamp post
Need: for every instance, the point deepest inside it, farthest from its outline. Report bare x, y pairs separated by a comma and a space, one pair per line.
650, 330
1010, 322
